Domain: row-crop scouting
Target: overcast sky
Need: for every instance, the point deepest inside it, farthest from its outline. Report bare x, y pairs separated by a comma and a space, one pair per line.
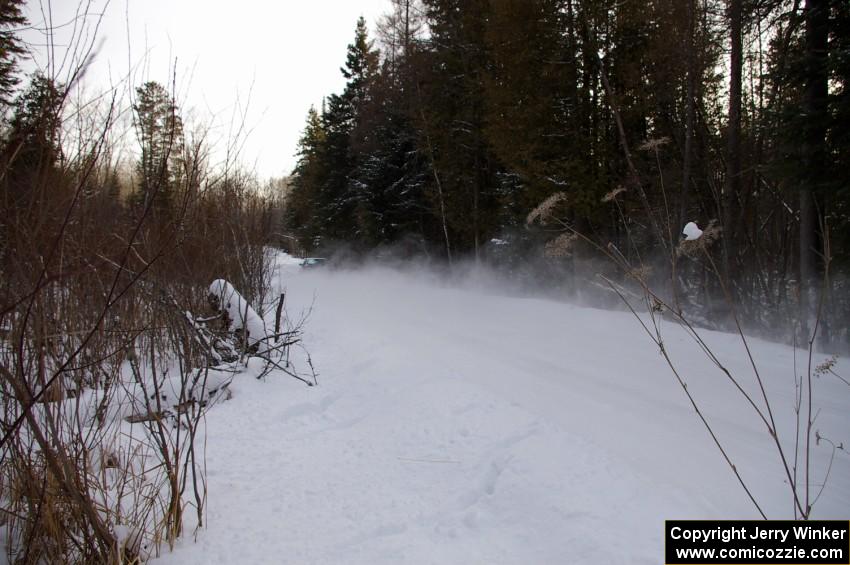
285, 54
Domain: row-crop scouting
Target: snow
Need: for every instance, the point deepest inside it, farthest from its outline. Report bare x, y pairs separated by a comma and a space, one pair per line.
691, 232
455, 425
240, 313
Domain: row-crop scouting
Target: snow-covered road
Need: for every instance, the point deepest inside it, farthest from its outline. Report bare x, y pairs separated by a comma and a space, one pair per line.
455, 425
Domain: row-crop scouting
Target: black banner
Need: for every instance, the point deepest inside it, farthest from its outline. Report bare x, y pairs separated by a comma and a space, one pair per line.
757, 542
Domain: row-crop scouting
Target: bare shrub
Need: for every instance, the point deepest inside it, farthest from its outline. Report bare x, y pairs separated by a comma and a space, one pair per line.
107, 366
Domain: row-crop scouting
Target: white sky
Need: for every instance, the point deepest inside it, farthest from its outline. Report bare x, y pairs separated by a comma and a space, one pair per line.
284, 54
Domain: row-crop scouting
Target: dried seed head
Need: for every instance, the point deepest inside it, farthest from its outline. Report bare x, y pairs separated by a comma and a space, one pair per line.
640, 274
561, 246
654, 144
613, 194
544, 210
826, 366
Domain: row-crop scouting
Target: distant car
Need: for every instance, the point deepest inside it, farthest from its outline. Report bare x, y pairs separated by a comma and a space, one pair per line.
313, 262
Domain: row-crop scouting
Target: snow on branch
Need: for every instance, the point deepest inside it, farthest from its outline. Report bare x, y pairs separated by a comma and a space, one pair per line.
239, 316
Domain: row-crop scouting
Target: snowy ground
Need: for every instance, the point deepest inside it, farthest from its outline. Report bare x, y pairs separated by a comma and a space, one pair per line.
453, 425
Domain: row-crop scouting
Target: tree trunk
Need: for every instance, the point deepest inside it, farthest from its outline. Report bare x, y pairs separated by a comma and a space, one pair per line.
690, 88
815, 103
733, 156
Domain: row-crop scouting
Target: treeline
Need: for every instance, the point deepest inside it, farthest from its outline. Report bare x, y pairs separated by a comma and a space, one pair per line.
646, 115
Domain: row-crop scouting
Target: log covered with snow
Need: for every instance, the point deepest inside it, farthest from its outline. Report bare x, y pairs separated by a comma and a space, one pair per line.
239, 315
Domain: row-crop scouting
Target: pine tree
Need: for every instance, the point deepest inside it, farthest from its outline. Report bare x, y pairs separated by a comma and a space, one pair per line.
839, 133
338, 199
159, 130
307, 177
11, 18
454, 121
390, 171
361, 66
33, 146
29, 163
530, 96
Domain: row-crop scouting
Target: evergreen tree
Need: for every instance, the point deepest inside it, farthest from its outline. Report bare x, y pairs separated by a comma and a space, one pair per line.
531, 97
838, 136
159, 130
11, 18
337, 200
301, 211
390, 171
33, 147
361, 67
30, 164
455, 120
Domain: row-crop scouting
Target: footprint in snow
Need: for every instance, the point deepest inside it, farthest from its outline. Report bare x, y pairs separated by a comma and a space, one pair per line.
487, 483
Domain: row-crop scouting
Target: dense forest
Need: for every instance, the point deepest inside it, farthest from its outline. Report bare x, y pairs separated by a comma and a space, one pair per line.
631, 118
